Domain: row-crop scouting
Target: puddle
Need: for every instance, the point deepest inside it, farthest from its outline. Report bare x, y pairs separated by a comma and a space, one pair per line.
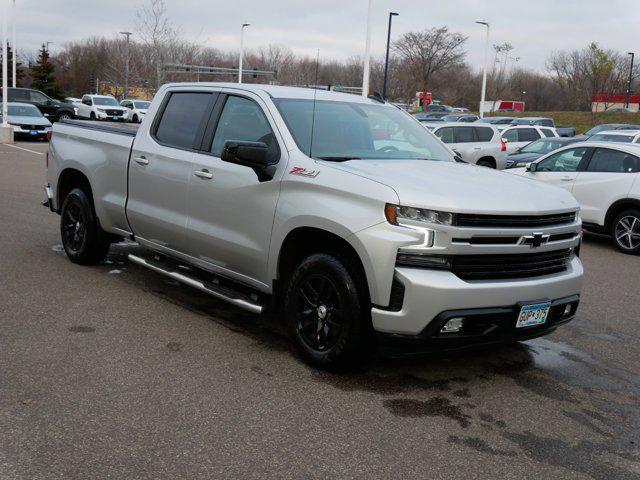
434, 407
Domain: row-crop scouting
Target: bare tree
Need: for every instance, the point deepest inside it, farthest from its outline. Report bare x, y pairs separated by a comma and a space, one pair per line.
430, 52
156, 32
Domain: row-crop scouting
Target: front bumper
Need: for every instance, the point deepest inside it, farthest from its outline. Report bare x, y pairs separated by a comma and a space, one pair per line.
428, 294
22, 132
104, 116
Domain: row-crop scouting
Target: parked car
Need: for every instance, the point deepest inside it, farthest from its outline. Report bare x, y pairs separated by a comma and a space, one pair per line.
611, 126
53, 110
430, 117
497, 120
460, 117
73, 100
340, 212
536, 149
101, 107
545, 122
479, 144
603, 177
620, 136
136, 109
515, 137
27, 121
432, 107
621, 110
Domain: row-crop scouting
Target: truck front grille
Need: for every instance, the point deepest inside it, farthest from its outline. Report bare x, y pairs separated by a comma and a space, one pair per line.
113, 113
514, 221
493, 267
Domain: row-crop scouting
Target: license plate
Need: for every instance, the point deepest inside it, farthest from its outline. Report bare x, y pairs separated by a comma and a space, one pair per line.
531, 315
116, 118
33, 132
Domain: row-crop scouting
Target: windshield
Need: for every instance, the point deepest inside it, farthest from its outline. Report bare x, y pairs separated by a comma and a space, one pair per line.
24, 111
107, 101
142, 105
608, 137
541, 146
349, 130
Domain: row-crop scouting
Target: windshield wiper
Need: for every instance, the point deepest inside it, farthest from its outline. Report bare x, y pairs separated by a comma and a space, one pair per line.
338, 159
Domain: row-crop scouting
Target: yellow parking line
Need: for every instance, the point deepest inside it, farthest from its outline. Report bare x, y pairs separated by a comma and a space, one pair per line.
25, 149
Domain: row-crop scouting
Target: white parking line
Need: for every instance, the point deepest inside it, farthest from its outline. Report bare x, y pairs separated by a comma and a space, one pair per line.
25, 149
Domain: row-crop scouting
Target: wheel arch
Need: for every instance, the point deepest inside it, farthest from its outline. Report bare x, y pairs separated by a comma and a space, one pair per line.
488, 159
69, 179
618, 207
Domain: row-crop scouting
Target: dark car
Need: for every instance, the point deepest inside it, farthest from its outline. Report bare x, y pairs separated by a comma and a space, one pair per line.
460, 117
611, 126
54, 110
536, 149
430, 117
438, 108
497, 120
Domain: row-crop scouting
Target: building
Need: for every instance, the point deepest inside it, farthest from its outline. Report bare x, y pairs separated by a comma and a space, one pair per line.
601, 102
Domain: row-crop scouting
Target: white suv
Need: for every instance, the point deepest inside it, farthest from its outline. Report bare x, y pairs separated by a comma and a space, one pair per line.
136, 109
516, 137
603, 177
101, 107
479, 144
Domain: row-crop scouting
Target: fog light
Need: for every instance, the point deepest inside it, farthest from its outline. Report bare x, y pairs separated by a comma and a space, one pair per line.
568, 308
452, 326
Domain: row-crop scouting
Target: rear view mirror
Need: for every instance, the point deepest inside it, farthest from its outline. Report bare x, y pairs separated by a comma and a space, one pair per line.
254, 155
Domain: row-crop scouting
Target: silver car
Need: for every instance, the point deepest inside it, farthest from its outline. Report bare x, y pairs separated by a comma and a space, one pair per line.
27, 121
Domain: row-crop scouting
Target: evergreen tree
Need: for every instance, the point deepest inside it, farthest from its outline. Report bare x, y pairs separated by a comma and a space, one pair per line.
42, 75
19, 70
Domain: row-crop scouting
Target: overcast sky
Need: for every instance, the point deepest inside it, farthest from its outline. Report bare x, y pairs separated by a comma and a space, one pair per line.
337, 27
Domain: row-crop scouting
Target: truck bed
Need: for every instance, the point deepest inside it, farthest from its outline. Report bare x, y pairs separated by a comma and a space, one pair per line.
129, 129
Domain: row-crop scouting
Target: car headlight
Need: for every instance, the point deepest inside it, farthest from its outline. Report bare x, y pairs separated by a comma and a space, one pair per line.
75, 111
521, 164
101, 110
395, 214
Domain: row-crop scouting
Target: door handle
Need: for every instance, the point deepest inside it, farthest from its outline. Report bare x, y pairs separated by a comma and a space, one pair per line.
206, 174
141, 160
567, 179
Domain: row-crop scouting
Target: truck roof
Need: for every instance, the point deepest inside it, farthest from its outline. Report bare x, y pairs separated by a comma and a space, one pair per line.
278, 91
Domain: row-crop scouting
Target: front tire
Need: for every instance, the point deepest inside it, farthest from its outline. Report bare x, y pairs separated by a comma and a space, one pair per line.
135, 119
92, 116
84, 241
327, 311
625, 232
63, 116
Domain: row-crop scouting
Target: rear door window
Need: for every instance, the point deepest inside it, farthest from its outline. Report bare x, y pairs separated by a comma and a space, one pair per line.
547, 122
182, 118
511, 135
484, 134
528, 134
613, 161
547, 133
464, 134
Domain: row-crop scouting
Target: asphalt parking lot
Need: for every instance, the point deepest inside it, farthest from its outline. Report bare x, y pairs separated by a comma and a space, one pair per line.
116, 372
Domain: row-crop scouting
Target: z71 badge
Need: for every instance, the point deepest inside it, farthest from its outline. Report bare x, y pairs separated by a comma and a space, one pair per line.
303, 172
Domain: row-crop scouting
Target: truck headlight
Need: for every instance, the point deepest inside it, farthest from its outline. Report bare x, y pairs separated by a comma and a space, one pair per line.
395, 214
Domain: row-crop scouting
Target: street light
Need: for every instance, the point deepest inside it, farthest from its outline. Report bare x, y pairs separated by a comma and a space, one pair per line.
244, 25
630, 79
367, 54
5, 83
386, 60
126, 65
13, 42
484, 72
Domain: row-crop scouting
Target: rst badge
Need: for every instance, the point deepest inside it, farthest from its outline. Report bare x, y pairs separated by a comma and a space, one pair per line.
303, 172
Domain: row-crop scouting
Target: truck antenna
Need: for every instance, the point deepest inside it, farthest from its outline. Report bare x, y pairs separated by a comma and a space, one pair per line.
313, 112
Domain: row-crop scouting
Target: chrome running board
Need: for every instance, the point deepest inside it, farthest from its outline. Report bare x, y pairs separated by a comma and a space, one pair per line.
223, 293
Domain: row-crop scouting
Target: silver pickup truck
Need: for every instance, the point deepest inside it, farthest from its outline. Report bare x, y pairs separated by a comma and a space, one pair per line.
341, 213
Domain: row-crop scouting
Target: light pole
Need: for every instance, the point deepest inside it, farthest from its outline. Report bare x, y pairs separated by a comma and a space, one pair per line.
367, 54
49, 43
13, 42
126, 65
6, 132
386, 59
484, 70
630, 79
244, 25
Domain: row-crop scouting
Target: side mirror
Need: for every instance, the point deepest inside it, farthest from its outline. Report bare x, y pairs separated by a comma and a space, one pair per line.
254, 155
532, 167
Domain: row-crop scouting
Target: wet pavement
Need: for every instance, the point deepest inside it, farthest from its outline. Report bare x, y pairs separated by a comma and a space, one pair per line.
113, 371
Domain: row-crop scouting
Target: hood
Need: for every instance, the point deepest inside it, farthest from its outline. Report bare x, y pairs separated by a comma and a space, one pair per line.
22, 120
462, 188
523, 157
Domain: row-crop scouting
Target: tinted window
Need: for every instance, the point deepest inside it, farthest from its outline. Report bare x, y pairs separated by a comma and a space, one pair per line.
445, 134
465, 135
605, 160
19, 96
547, 122
510, 135
38, 97
484, 134
528, 134
565, 161
181, 119
547, 133
242, 120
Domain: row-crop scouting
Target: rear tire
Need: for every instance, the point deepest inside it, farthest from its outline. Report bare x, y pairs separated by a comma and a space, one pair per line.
327, 312
485, 163
63, 116
625, 232
135, 119
84, 241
